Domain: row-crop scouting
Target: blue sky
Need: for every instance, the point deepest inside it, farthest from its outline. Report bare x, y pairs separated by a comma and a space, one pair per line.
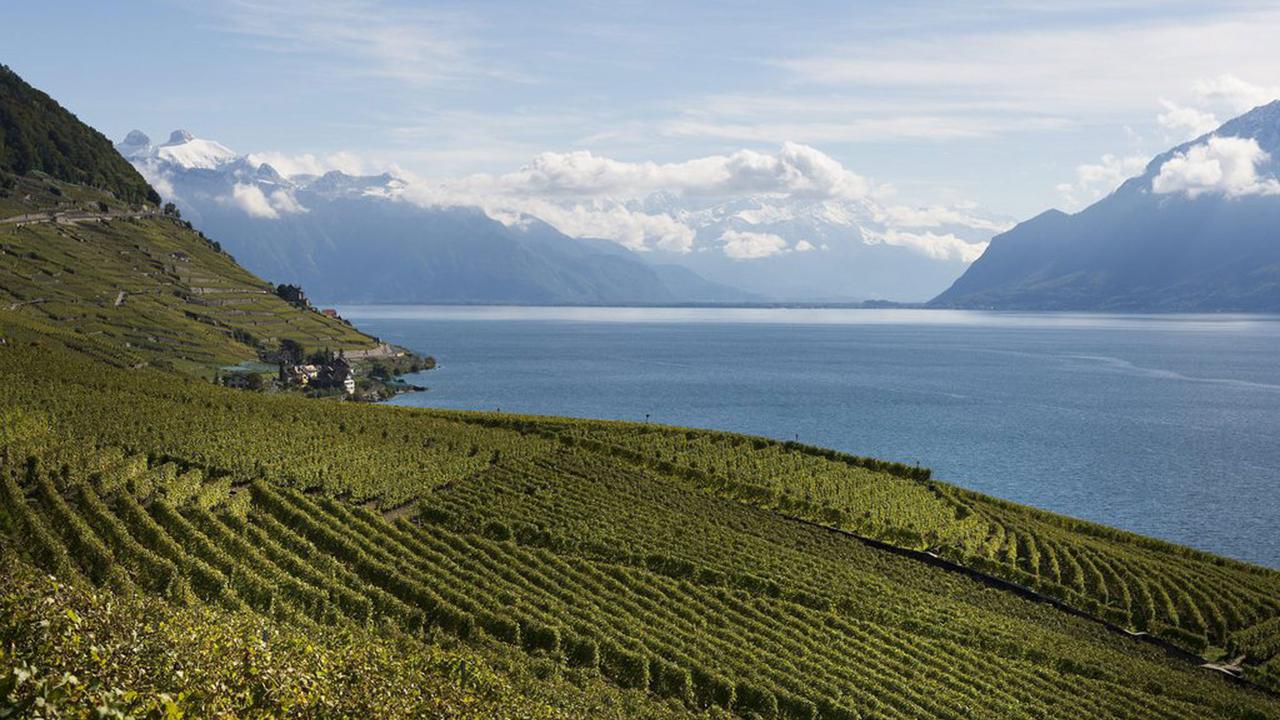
1009, 107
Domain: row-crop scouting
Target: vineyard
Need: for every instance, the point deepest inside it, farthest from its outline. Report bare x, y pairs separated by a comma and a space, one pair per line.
665, 569
148, 283
1195, 600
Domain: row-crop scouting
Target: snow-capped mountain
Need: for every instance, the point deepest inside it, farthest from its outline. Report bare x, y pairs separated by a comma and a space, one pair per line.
818, 246
350, 238
183, 150
1195, 232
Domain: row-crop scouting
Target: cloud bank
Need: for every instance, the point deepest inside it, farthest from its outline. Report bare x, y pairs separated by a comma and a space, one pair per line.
256, 203
1221, 165
645, 205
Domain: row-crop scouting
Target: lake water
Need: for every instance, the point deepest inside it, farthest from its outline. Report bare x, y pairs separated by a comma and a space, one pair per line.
1164, 425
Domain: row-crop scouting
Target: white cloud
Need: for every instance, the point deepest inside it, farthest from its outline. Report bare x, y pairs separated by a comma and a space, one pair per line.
1097, 180
251, 199
936, 246
751, 245
1225, 168
256, 203
284, 201
662, 206
794, 169
1235, 94
359, 38
634, 230
584, 194
1221, 165
1184, 123
1076, 71
936, 216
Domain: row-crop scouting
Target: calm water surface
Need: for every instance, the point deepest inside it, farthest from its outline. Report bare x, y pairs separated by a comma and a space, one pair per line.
1165, 425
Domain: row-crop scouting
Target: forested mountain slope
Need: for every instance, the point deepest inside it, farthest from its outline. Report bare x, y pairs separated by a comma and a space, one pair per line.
39, 135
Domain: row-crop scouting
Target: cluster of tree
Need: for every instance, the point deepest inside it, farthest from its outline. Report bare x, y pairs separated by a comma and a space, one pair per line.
38, 134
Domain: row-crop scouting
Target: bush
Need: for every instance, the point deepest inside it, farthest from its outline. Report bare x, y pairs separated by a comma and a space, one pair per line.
672, 681
504, 629
713, 689
796, 708
537, 636
581, 651
626, 668
495, 530
753, 698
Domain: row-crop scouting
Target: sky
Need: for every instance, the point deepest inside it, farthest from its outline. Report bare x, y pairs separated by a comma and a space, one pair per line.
1006, 108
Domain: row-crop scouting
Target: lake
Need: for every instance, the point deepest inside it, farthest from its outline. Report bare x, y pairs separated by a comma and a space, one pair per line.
1161, 424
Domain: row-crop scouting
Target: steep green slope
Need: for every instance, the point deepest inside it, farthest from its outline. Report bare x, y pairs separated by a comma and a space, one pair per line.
144, 281
39, 135
1198, 601
545, 540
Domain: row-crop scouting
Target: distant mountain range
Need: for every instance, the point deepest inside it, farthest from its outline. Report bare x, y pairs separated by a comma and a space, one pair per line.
361, 239
1198, 231
834, 249
352, 238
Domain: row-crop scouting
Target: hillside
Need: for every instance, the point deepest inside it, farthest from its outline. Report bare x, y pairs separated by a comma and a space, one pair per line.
699, 569
1161, 242
39, 135
143, 280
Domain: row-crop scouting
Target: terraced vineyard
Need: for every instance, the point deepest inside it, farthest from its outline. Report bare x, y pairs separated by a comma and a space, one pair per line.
653, 559
148, 283
1193, 599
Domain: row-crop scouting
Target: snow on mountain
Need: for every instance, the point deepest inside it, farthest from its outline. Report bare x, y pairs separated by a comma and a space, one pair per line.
351, 238
192, 153
796, 246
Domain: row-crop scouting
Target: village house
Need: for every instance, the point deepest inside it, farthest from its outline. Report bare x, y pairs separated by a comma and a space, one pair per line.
301, 375
337, 374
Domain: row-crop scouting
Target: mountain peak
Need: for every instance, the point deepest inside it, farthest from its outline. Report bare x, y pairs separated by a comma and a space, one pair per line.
193, 153
136, 137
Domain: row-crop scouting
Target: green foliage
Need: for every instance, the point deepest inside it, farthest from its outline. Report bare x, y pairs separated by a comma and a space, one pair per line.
602, 565
156, 290
70, 652
38, 134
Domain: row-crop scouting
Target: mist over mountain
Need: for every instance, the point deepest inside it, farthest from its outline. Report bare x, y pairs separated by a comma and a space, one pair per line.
825, 249
794, 226
1198, 231
355, 239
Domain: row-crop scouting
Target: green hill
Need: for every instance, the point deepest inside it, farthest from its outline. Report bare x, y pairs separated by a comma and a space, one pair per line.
170, 548
143, 280
39, 135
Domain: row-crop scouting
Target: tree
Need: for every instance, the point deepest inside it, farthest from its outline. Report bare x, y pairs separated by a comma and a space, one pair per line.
291, 351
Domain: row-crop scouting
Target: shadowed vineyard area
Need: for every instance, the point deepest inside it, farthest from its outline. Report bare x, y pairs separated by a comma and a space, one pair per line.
669, 571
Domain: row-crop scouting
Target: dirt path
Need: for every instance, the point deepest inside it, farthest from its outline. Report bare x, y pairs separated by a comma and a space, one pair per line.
66, 217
